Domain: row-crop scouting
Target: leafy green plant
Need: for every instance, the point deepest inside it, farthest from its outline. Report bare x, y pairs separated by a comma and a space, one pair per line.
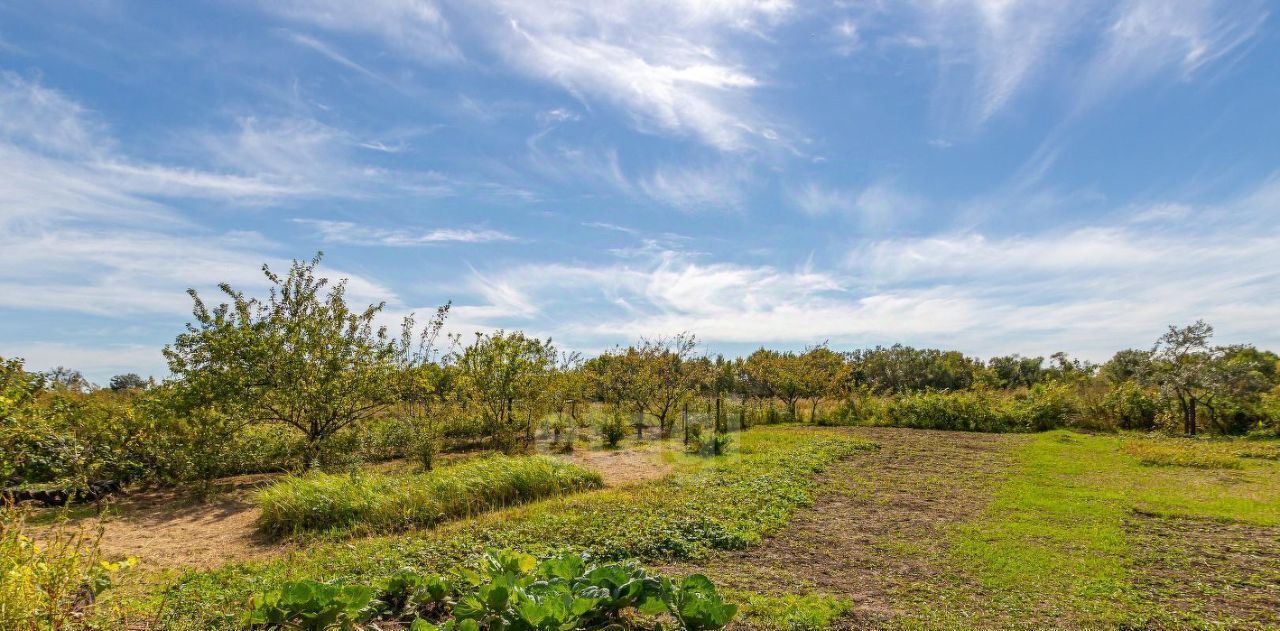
312, 606
508, 591
695, 604
613, 428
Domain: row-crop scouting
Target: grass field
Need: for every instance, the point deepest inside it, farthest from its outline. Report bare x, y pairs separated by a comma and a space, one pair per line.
882, 528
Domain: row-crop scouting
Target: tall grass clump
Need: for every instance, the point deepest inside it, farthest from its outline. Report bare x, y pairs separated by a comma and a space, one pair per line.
366, 502
52, 584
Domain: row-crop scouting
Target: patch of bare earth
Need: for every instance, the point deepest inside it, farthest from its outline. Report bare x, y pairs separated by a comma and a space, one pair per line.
876, 533
621, 467
171, 528
1195, 573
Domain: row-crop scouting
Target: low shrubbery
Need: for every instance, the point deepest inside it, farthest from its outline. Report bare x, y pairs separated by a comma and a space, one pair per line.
508, 591
54, 584
1038, 408
377, 502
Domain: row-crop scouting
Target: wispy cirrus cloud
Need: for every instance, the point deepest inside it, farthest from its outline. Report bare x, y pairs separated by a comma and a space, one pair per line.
721, 186
88, 229
413, 27
357, 234
672, 67
992, 52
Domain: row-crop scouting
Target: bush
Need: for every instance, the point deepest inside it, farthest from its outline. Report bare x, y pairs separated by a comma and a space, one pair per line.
374, 502
975, 411
1129, 406
613, 428
1045, 406
54, 585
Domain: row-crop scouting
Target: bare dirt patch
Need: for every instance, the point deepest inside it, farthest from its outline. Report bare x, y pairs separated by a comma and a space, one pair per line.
876, 533
1201, 573
172, 528
622, 467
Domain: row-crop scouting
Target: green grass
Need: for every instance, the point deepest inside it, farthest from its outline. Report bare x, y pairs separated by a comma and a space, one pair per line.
725, 503
1157, 454
792, 612
1053, 549
373, 502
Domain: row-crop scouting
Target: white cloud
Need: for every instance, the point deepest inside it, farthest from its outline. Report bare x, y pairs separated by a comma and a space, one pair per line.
1151, 36
82, 231
117, 272
414, 27
877, 206
97, 363
994, 50
815, 199
698, 188
353, 233
1089, 291
670, 65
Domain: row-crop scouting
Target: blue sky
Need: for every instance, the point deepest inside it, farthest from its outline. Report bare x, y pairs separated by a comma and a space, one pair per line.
988, 175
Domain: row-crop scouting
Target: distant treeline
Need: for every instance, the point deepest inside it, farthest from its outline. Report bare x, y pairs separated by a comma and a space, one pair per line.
300, 380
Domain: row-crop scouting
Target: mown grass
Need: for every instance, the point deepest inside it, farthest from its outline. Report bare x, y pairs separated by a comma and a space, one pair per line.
372, 502
728, 503
1054, 549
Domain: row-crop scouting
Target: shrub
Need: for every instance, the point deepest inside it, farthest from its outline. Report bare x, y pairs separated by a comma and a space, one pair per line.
52, 585
1045, 406
1130, 406
374, 502
613, 428
975, 411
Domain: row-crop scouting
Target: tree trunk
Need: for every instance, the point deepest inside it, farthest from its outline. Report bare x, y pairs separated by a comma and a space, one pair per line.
686, 423
813, 411
1191, 417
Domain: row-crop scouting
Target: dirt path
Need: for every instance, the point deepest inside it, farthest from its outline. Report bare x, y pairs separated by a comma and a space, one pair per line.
875, 534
